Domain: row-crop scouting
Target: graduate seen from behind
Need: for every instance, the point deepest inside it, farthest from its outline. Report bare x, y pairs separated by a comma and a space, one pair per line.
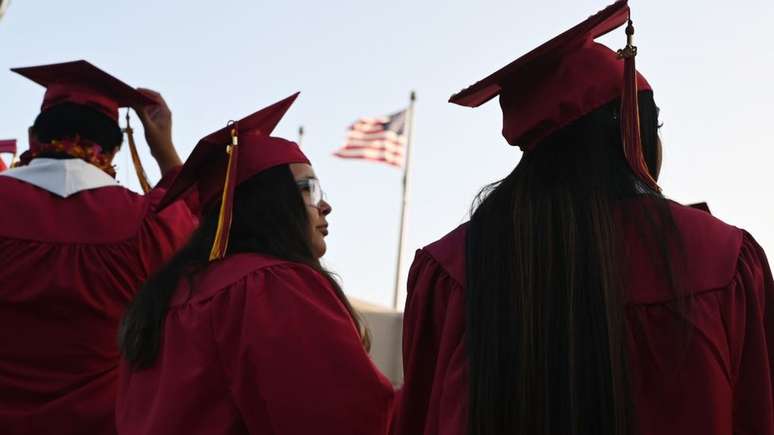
75, 246
578, 299
243, 331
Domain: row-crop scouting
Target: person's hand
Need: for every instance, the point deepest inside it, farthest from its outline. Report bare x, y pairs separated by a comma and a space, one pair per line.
157, 122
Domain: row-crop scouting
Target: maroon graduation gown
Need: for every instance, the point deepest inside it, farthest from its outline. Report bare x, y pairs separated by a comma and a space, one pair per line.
722, 386
262, 346
69, 268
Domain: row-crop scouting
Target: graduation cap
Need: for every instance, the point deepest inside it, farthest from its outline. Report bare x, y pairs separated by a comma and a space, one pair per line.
80, 82
564, 79
226, 158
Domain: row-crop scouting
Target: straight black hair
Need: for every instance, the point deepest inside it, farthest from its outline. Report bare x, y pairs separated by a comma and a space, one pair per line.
269, 217
68, 120
545, 302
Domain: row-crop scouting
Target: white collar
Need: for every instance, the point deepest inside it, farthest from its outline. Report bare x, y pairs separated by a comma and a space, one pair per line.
62, 177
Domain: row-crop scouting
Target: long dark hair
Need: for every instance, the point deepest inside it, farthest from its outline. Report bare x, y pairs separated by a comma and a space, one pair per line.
545, 307
66, 120
269, 218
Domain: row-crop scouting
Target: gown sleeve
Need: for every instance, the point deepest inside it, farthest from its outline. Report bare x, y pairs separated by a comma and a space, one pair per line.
190, 199
749, 315
293, 360
433, 351
164, 232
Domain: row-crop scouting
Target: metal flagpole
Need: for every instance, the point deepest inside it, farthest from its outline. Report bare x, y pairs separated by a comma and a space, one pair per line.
4, 6
404, 203
300, 136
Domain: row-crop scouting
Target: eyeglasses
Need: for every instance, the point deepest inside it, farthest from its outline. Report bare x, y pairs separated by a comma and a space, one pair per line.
312, 186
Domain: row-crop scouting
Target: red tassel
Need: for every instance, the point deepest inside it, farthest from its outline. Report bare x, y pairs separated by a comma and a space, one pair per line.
630, 114
220, 244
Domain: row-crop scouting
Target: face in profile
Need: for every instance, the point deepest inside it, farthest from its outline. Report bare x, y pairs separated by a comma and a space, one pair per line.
317, 208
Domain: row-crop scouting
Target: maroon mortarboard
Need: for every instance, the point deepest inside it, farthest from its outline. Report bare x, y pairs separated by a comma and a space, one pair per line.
230, 156
83, 83
564, 79
8, 146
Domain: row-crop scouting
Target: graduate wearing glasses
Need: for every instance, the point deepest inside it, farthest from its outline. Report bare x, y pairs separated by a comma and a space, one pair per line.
244, 331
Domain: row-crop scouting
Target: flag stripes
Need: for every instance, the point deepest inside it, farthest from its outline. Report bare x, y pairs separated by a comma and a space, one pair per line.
379, 139
8, 146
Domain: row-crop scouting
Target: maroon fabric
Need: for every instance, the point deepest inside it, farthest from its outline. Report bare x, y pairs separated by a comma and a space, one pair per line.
262, 346
59, 93
257, 153
721, 384
703, 206
82, 83
70, 266
585, 80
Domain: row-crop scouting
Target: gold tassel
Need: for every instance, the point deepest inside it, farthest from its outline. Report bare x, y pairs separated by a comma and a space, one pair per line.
220, 244
138, 169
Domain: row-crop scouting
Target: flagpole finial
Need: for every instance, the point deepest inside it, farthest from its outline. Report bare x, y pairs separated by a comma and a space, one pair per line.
413, 96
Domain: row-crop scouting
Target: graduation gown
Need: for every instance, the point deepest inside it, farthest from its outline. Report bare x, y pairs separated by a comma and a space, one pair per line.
262, 346
720, 384
74, 248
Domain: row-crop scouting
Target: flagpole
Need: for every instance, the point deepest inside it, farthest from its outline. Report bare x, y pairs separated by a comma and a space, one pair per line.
300, 136
404, 202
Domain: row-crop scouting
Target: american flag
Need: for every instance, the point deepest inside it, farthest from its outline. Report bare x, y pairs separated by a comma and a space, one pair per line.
8, 146
381, 139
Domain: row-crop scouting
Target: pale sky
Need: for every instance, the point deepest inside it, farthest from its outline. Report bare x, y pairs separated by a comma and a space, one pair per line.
710, 63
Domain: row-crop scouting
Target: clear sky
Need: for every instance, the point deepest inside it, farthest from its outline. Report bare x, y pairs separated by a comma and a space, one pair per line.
710, 63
